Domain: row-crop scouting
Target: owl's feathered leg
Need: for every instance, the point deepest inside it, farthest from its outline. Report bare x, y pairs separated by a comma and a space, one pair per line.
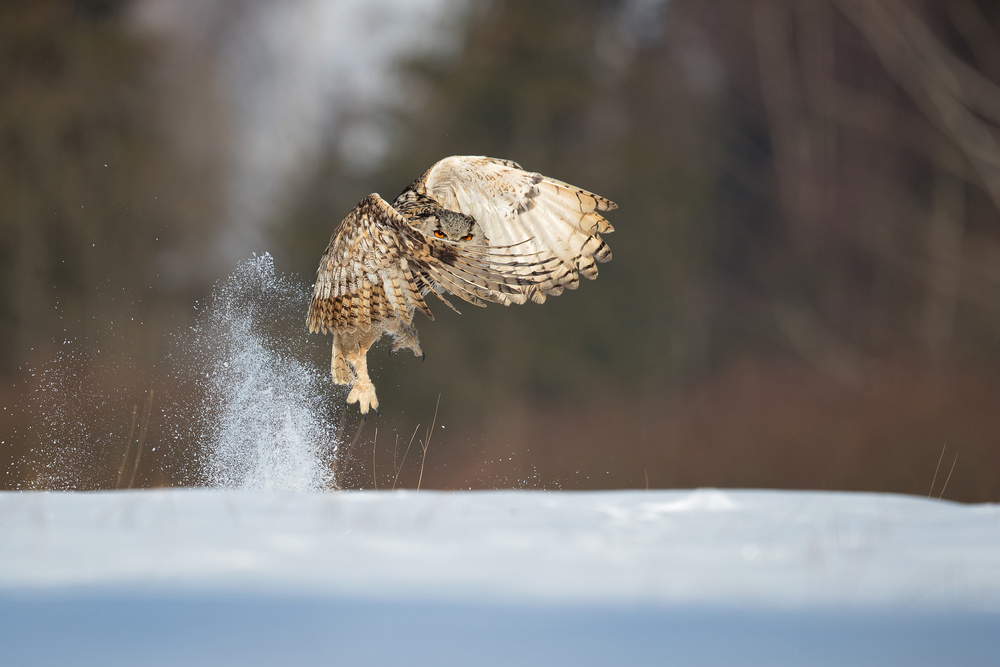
342, 374
405, 337
356, 354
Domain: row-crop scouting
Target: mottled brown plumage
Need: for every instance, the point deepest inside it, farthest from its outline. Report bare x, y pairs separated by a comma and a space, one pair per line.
479, 228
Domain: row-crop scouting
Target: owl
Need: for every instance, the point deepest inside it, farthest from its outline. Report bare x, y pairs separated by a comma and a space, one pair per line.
477, 228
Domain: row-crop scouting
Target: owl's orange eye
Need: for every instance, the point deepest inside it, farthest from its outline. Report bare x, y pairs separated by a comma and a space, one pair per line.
438, 233
467, 237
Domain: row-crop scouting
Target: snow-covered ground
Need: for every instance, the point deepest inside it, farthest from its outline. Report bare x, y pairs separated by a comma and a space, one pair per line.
702, 577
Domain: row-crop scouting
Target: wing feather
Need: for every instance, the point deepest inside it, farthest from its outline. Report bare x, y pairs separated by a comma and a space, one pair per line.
542, 217
363, 277
377, 266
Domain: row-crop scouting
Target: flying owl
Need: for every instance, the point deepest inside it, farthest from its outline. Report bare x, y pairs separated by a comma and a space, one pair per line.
479, 228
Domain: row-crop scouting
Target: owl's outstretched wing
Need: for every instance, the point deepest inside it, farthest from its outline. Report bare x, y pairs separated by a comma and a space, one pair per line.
530, 214
376, 267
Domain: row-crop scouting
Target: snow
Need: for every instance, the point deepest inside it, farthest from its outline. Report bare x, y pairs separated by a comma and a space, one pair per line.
212, 576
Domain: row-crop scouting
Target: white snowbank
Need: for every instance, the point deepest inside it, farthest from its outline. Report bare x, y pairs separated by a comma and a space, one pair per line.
760, 548
562, 576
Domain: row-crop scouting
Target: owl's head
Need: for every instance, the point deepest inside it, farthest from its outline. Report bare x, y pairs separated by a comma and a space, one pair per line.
451, 225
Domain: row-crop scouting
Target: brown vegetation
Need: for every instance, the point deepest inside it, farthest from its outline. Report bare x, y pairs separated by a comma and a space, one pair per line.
805, 291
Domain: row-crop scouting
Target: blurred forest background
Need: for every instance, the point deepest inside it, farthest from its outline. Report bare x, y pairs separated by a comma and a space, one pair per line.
805, 290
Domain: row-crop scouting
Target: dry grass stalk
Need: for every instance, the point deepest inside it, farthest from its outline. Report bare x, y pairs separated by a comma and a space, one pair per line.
143, 425
357, 434
128, 448
426, 442
396, 478
948, 478
374, 478
930, 491
937, 469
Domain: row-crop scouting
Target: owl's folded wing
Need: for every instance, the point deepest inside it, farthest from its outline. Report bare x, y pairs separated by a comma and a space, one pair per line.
377, 266
532, 215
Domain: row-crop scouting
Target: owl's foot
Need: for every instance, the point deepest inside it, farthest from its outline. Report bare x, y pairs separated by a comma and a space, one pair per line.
404, 337
363, 393
407, 343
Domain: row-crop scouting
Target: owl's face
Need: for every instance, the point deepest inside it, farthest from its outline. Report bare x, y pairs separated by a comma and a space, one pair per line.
452, 226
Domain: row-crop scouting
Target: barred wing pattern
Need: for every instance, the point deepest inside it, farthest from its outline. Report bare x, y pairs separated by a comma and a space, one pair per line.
529, 212
377, 265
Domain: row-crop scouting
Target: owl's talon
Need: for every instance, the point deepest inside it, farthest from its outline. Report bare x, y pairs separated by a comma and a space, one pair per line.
364, 395
423, 356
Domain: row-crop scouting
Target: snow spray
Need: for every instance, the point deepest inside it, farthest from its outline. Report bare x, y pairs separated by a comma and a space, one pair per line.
246, 401
265, 421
